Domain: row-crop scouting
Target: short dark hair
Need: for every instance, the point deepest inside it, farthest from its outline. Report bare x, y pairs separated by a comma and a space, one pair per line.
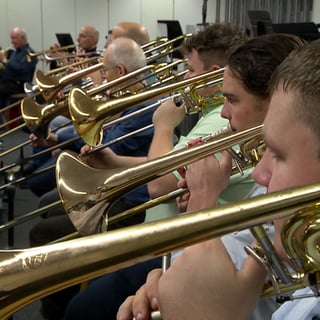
215, 41
300, 74
254, 62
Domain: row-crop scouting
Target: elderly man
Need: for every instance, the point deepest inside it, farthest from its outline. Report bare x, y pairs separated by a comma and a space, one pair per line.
132, 30
18, 69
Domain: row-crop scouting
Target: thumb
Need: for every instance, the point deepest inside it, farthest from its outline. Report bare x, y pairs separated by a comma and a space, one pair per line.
255, 274
226, 161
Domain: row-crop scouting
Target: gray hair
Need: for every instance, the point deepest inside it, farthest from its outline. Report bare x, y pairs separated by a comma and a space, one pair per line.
126, 52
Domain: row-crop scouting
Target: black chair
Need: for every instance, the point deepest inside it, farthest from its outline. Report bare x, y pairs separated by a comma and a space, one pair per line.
173, 31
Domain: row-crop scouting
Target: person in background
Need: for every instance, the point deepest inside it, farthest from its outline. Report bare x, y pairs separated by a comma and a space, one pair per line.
88, 38
19, 68
132, 30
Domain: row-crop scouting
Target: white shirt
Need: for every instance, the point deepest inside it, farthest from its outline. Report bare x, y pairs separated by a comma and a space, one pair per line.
300, 309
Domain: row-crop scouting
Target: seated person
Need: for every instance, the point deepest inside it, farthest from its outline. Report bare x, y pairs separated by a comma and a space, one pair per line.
18, 69
245, 106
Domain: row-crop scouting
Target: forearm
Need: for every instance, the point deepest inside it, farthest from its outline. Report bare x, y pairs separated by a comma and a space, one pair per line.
162, 142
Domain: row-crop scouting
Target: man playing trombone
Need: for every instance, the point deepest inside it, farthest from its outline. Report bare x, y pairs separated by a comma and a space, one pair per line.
18, 69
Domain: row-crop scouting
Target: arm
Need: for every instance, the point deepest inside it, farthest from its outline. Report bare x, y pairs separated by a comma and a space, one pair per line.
107, 159
19, 64
165, 119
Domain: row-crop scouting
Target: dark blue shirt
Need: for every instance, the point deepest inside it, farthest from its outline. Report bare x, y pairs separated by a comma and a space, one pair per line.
19, 67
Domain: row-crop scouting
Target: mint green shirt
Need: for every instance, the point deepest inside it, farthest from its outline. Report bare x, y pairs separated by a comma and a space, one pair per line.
239, 185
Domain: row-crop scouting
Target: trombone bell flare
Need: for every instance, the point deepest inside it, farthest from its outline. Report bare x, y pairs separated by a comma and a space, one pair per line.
27, 275
87, 123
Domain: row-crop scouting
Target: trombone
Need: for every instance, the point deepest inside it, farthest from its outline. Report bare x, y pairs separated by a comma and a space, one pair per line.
27, 275
50, 86
31, 55
88, 115
88, 199
165, 47
37, 117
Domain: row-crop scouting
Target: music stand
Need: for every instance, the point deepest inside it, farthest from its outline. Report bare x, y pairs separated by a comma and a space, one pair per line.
65, 39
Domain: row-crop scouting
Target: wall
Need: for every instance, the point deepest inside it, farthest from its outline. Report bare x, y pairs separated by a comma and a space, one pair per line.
43, 18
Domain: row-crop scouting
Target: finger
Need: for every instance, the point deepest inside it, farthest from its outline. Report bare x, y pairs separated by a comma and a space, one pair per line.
226, 161
182, 183
141, 305
152, 287
125, 310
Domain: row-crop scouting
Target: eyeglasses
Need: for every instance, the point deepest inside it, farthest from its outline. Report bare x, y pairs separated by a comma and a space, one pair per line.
81, 35
104, 71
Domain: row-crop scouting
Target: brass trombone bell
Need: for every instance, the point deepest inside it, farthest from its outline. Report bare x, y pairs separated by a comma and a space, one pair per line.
50, 86
30, 274
88, 115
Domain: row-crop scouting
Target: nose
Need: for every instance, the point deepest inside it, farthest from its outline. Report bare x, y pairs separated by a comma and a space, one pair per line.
262, 172
225, 111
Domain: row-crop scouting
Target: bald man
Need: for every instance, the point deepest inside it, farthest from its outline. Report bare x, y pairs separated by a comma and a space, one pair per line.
132, 30
88, 38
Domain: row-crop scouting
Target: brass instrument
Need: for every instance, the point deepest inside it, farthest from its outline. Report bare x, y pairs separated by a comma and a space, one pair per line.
153, 43
39, 53
89, 115
164, 48
49, 58
37, 117
86, 200
50, 86
5, 54
27, 275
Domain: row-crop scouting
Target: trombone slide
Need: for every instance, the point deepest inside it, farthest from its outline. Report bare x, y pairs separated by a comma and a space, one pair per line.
27, 275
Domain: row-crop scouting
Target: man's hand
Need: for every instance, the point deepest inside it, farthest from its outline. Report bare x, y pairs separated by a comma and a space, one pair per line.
168, 115
48, 142
144, 302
